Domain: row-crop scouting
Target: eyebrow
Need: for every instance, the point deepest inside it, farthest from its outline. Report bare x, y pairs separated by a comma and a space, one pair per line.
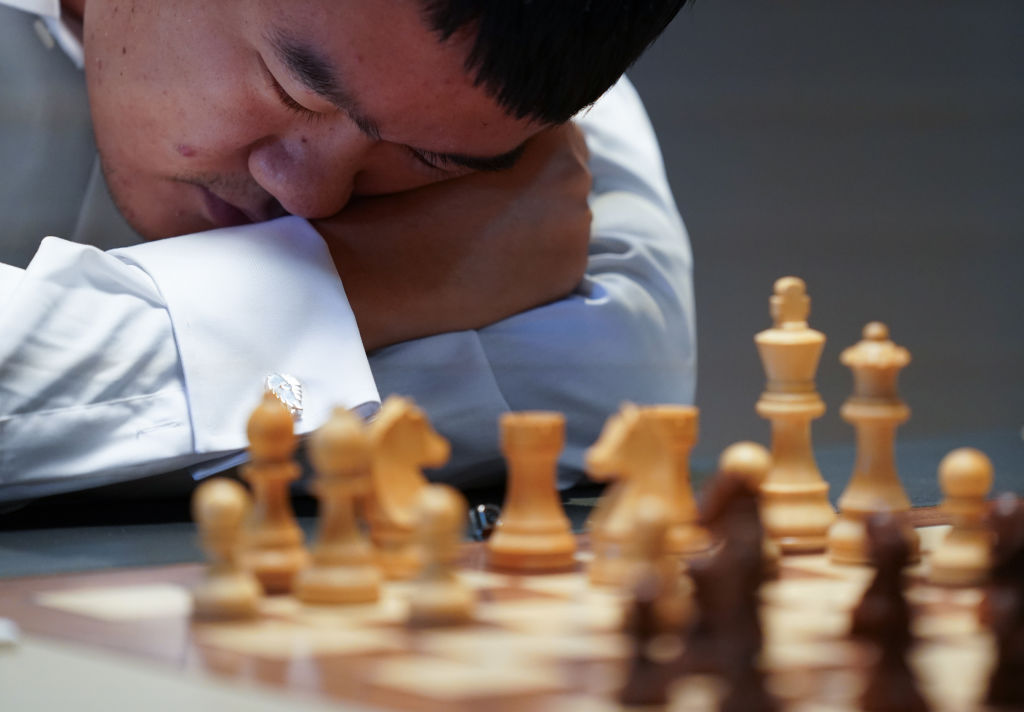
314, 71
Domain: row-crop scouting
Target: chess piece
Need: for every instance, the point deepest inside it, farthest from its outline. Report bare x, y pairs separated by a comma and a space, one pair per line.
875, 410
963, 557
439, 597
883, 611
882, 618
653, 620
1003, 607
273, 540
727, 638
702, 631
751, 463
403, 443
794, 509
746, 689
646, 452
344, 569
650, 558
533, 533
684, 535
1006, 522
227, 591
634, 450
891, 685
732, 512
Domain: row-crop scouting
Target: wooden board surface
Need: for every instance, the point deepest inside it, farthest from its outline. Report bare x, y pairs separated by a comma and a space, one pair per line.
539, 642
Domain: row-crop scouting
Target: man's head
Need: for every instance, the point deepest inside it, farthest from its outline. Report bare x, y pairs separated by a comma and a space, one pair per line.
217, 113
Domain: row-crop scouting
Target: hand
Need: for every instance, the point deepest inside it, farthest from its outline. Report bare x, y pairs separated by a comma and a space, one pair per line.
470, 251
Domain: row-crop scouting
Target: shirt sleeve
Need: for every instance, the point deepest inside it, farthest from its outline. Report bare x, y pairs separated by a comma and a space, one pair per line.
626, 333
116, 365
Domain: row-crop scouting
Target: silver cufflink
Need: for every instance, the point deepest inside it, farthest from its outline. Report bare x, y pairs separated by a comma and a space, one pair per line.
43, 33
288, 390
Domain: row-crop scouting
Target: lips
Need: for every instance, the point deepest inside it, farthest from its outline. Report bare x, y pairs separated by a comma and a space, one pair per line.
222, 213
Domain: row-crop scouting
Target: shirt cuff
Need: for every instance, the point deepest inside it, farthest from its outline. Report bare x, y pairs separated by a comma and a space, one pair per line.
252, 300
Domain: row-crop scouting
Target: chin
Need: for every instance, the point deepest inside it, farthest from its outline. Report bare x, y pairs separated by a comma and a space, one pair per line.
154, 218
161, 227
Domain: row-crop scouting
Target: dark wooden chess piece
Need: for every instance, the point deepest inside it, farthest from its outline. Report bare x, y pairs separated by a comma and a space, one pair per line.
702, 632
883, 619
1004, 603
729, 510
727, 636
655, 639
649, 676
891, 684
747, 691
742, 557
883, 603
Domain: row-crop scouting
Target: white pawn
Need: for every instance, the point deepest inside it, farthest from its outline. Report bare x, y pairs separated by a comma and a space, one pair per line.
228, 591
344, 568
439, 597
273, 540
964, 556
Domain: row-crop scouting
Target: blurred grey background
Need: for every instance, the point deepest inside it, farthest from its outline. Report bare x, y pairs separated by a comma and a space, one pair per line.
877, 151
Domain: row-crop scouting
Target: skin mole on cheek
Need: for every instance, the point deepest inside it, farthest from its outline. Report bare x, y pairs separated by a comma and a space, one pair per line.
185, 150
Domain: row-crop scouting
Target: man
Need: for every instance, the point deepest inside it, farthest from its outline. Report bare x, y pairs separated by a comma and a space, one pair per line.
419, 149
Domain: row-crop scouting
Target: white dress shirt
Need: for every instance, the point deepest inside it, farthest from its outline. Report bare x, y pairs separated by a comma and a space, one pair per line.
136, 360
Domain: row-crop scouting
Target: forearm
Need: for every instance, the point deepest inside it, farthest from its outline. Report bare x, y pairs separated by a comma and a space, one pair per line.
466, 252
410, 280
120, 364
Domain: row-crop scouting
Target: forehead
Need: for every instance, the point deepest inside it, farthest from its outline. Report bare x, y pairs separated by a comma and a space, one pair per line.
399, 72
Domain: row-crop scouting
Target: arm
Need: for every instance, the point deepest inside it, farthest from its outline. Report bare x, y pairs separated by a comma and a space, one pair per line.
625, 332
114, 365
452, 255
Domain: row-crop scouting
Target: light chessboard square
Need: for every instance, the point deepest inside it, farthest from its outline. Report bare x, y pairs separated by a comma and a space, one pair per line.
281, 640
438, 678
121, 603
497, 647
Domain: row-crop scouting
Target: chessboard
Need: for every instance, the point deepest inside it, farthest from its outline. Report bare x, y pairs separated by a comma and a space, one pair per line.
536, 642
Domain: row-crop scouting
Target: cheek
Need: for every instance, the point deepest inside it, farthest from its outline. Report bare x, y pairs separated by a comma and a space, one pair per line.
158, 107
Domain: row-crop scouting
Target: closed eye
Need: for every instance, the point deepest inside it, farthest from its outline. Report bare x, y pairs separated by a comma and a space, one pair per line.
286, 99
437, 161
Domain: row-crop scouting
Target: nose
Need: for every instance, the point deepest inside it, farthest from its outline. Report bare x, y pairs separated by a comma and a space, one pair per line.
310, 169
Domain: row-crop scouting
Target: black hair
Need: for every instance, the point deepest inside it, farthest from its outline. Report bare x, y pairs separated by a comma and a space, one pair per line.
547, 59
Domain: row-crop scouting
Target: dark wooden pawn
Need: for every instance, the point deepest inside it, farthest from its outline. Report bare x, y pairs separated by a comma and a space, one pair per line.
731, 511
1004, 603
649, 676
892, 686
883, 619
702, 633
743, 562
883, 611
727, 637
746, 690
